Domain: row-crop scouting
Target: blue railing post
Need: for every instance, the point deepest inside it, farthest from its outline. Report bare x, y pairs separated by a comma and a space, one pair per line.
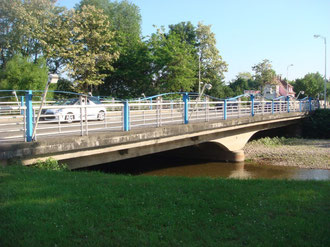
185, 111
126, 116
300, 106
318, 104
22, 104
310, 103
272, 106
288, 103
252, 105
151, 104
29, 116
225, 109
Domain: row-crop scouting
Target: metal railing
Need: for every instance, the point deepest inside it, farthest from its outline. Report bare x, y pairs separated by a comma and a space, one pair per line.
18, 120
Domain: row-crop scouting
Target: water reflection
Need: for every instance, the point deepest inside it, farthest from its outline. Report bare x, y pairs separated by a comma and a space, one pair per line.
167, 166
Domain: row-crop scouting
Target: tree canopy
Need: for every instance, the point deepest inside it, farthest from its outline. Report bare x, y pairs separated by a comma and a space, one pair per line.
312, 84
20, 73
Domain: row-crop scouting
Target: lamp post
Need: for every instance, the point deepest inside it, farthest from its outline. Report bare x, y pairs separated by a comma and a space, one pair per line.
325, 67
207, 86
199, 72
52, 79
287, 79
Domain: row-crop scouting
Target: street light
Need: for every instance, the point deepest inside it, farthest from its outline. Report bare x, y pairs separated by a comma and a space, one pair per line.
52, 79
207, 86
287, 79
300, 92
325, 67
15, 94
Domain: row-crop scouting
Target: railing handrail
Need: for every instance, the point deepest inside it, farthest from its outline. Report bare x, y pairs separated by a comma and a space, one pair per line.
19, 117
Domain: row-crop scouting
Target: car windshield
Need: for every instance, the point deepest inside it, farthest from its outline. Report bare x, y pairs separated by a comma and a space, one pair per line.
70, 102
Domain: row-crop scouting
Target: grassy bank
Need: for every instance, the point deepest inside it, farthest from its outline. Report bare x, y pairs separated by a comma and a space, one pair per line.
304, 153
57, 208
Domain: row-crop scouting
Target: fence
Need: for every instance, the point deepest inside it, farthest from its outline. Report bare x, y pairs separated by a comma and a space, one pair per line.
80, 116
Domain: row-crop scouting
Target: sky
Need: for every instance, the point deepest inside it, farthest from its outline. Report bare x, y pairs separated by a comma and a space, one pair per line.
249, 31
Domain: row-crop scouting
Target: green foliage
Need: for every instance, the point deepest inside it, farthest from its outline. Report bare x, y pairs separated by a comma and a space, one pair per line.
51, 165
22, 74
211, 63
186, 31
23, 25
264, 74
63, 85
317, 125
131, 75
90, 49
274, 141
312, 84
47, 208
174, 65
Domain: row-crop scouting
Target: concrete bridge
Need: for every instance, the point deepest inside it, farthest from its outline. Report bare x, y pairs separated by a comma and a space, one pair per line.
222, 139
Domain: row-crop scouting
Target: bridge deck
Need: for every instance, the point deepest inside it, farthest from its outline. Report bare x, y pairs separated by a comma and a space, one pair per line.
142, 141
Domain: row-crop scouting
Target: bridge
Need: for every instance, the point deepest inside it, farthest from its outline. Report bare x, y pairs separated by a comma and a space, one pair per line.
215, 129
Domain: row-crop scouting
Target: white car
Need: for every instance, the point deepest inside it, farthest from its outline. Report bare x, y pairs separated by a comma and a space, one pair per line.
70, 114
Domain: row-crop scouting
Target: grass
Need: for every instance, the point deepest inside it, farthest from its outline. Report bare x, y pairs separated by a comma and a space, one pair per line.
60, 208
276, 141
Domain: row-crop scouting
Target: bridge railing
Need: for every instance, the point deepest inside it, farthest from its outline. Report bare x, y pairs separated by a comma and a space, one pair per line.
18, 120
12, 121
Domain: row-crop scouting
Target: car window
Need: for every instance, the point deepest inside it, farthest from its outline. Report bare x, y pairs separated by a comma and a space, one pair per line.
95, 100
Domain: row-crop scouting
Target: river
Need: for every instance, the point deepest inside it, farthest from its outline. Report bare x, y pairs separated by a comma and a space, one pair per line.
154, 165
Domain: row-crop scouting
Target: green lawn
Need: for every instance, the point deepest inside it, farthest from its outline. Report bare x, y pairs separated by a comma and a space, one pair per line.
62, 208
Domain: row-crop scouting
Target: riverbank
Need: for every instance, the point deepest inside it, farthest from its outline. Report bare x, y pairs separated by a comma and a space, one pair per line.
65, 208
303, 153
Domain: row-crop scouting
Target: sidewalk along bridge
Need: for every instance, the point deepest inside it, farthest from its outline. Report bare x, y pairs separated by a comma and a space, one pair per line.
85, 131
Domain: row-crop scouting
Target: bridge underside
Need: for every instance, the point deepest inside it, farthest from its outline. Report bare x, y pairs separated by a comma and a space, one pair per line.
221, 140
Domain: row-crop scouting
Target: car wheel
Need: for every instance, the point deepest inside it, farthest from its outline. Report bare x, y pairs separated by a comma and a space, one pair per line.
101, 115
69, 117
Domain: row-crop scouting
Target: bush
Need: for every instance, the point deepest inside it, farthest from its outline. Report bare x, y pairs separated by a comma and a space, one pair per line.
317, 125
276, 141
51, 165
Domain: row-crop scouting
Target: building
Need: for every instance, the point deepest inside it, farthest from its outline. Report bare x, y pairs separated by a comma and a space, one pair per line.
277, 89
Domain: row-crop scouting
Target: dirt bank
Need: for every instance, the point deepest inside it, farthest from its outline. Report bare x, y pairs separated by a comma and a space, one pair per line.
303, 153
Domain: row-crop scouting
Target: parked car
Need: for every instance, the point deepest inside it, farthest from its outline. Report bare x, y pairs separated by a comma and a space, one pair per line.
70, 114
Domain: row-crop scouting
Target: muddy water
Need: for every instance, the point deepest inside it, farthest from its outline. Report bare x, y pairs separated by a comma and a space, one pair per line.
167, 166
242, 171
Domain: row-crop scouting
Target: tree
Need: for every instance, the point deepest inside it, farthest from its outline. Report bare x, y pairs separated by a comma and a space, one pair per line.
312, 84
244, 75
64, 85
186, 31
243, 81
239, 85
23, 26
87, 46
264, 74
20, 73
124, 17
173, 63
211, 63
132, 74
131, 71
